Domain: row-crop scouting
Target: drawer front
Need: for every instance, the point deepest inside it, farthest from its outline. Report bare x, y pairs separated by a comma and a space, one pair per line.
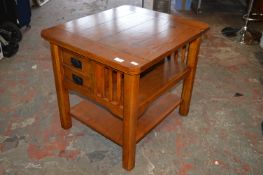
77, 79
75, 61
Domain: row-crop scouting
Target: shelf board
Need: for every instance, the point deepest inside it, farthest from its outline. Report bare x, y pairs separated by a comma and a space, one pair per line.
159, 79
156, 113
98, 119
102, 121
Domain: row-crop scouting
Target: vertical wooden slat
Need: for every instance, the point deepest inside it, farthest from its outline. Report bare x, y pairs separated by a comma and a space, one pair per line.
110, 88
122, 90
100, 83
183, 54
96, 73
92, 76
102, 79
119, 88
105, 89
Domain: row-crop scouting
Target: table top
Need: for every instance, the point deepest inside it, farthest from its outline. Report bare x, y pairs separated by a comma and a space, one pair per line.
128, 38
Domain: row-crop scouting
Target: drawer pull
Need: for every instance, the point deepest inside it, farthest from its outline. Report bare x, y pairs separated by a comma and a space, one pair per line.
76, 63
78, 80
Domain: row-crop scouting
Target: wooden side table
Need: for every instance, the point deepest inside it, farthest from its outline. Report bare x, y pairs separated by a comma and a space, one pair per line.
123, 61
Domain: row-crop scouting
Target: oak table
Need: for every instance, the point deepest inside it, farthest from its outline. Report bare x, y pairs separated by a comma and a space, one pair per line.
124, 61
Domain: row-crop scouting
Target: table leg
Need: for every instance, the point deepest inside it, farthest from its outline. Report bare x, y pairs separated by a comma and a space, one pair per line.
130, 111
189, 81
62, 92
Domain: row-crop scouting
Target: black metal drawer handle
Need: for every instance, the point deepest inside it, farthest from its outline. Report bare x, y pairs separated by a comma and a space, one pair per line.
78, 80
76, 63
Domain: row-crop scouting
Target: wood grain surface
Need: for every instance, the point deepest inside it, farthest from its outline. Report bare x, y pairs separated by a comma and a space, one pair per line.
131, 33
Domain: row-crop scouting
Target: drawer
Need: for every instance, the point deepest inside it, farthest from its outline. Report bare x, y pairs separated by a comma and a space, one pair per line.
77, 79
75, 61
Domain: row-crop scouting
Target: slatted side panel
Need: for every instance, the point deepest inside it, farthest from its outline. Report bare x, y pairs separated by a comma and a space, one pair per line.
108, 84
181, 55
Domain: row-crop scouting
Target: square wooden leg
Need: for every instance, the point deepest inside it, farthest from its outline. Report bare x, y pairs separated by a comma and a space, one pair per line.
189, 81
131, 90
62, 92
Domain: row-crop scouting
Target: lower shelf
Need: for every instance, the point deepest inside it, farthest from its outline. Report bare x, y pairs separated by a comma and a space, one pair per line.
110, 126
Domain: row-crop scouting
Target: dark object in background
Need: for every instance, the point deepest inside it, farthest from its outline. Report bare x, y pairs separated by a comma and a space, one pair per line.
14, 14
237, 94
10, 49
10, 35
10, 31
257, 6
15, 11
162, 6
229, 32
23, 13
262, 127
8, 11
